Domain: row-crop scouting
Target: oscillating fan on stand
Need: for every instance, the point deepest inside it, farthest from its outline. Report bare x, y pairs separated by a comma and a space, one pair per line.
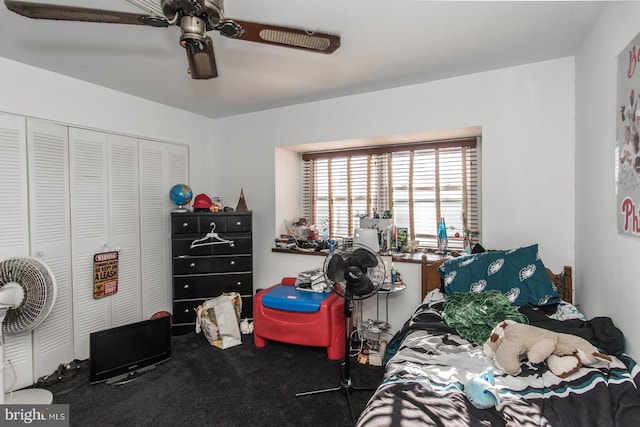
354, 273
27, 294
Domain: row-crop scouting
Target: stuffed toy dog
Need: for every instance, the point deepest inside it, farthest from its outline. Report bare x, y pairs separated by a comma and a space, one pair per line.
564, 353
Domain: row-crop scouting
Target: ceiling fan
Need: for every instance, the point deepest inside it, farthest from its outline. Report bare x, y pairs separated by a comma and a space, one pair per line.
195, 18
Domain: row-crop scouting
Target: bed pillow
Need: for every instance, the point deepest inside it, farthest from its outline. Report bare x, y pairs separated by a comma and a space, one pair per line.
518, 273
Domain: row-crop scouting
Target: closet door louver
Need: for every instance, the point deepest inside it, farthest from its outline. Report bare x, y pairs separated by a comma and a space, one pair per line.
50, 236
13, 175
161, 167
124, 228
14, 240
89, 232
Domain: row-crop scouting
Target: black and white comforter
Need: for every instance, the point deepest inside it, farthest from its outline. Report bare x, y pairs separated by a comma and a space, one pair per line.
424, 382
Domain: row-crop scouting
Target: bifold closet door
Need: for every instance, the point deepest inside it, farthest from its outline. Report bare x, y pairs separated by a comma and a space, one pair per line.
14, 237
14, 225
124, 227
71, 193
102, 221
162, 165
50, 237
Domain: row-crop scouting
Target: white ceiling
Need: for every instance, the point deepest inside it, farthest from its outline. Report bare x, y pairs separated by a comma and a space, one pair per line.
384, 43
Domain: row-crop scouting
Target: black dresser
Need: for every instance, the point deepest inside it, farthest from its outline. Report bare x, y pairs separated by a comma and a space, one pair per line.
205, 266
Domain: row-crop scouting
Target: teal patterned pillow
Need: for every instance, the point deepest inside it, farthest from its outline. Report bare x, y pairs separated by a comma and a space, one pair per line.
518, 273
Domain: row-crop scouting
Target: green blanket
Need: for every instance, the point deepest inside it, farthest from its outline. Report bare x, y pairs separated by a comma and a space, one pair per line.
474, 315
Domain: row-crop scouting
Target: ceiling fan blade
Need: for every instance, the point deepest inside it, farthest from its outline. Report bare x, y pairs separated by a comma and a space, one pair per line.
288, 37
202, 62
70, 13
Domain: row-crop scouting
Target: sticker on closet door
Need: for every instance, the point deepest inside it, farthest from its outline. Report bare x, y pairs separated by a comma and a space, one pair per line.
105, 274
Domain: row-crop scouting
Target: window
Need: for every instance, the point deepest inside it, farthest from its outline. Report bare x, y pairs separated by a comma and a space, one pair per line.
417, 183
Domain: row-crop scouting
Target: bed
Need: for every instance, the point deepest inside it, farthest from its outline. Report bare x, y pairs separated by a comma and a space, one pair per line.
428, 364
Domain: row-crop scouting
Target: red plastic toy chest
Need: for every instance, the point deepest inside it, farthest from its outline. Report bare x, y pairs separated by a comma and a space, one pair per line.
322, 328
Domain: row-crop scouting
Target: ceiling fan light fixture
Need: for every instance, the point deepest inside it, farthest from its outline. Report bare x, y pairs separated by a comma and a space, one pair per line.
202, 62
307, 41
200, 67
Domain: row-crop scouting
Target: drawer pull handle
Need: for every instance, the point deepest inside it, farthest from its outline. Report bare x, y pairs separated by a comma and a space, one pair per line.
239, 223
186, 310
185, 224
238, 283
193, 264
186, 286
232, 263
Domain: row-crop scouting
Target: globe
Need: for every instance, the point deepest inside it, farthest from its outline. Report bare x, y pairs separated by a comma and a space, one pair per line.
181, 195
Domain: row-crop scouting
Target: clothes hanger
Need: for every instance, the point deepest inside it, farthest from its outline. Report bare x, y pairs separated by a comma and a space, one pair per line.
210, 235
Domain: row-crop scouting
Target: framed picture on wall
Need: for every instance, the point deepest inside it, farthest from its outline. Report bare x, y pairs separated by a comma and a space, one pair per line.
627, 151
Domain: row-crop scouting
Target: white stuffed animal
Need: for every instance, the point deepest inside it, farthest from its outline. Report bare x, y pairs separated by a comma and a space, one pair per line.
564, 353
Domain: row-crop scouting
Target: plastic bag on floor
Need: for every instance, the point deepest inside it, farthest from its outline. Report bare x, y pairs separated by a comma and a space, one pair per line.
219, 320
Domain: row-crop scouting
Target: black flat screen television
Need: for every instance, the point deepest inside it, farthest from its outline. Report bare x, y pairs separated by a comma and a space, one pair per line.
122, 353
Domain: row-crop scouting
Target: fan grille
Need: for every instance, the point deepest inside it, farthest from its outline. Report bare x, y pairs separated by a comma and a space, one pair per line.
74, 14
294, 39
376, 274
39, 293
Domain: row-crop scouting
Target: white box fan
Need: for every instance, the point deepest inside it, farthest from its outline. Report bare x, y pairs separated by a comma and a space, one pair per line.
27, 295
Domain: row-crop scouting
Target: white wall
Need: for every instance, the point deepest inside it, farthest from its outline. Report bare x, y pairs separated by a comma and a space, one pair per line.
605, 261
33, 92
527, 117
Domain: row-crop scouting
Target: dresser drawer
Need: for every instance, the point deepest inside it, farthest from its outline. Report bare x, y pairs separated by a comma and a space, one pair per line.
217, 224
208, 286
231, 263
182, 246
237, 282
184, 312
238, 223
192, 265
184, 224
194, 223
241, 245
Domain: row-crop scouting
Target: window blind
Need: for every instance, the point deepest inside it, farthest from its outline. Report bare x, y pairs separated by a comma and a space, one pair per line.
418, 183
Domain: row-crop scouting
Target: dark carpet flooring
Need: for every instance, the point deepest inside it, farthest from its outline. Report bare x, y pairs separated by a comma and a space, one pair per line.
205, 386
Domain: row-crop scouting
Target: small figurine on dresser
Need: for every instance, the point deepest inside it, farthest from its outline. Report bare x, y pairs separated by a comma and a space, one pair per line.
242, 204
